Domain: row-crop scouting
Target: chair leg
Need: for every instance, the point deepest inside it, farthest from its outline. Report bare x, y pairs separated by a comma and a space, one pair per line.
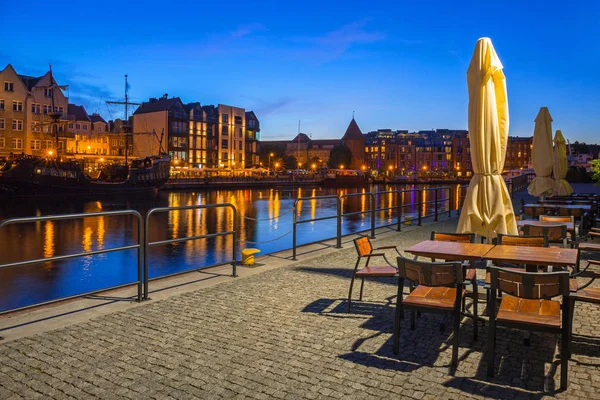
457, 317
362, 284
350, 292
564, 350
412, 320
491, 346
475, 303
571, 314
397, 318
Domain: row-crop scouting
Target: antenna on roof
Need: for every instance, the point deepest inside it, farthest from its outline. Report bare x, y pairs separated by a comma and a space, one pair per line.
352, 114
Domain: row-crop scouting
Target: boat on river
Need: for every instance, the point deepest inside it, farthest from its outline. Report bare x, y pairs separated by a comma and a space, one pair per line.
30, 175
340, 178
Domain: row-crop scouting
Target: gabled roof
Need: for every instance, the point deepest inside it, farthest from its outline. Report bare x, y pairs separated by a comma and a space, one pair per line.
155, 105
30, 81
353, 131
302, 138
97, 118
211, 111
77, 113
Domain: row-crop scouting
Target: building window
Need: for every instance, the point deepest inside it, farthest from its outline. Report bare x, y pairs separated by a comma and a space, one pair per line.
84, 126
224, 144
17, 143
237, 120
77, 126
9, 87
35, 145
114, 142
1, 123
1, 104
224, 130
224, 157
48, 93
225, 118
35, 108
2, 143
17, 124
17, 106
47, 109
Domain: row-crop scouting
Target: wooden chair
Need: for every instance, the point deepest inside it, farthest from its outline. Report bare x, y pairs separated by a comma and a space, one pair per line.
564, 218
528, 306
583, 293
534, 212
365, 251
439, 289
468, 268
553, 233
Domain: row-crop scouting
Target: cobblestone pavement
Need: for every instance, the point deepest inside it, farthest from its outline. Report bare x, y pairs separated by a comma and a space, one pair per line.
286, 334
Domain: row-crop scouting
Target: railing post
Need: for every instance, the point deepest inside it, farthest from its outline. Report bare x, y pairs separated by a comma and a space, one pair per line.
294, 231
372, 201
339, 223
235, 239
399, 200
449, 202
420, 206
146, 236
435, 203
140, 253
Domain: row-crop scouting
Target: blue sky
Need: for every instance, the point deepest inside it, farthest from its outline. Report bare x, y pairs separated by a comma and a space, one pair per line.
398, 64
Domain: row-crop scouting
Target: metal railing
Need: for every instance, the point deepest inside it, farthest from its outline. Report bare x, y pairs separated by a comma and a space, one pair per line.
148, 244
338, 216
373, 210
139, 246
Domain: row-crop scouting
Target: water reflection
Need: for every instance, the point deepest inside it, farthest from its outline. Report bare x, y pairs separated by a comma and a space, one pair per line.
267, 219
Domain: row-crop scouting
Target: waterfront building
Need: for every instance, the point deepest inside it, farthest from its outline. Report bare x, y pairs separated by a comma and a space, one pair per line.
306, 150
45, 102
518, 153
13, 112
195, 135
355, 141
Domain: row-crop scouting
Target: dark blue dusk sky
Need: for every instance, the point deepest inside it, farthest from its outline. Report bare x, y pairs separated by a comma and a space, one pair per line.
397, 64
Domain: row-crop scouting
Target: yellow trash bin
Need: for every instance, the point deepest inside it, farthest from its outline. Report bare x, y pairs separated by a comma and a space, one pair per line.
248, 256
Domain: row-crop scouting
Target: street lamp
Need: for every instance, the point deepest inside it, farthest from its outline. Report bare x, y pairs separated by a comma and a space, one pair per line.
342, 166
270, 155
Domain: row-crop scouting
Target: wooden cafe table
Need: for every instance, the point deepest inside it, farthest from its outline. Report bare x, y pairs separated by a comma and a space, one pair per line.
452, 251
555, 256
584, 207
570, 225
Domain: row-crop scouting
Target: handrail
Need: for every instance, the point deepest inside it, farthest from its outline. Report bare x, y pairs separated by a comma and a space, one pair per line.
62, 217
371, 208
295, 221
148, 244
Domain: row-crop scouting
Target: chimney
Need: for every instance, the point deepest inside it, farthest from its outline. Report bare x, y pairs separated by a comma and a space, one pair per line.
165, 96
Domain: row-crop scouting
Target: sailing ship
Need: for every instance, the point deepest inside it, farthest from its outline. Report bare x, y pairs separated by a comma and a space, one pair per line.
56, 175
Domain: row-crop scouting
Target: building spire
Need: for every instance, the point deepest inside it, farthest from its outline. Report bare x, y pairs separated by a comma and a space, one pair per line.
352, 114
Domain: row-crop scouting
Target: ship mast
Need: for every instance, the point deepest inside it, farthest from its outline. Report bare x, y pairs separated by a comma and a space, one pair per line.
54, 114
127, 129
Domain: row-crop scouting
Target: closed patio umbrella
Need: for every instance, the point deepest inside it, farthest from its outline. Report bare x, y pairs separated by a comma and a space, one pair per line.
542, 155
561, 186
487, 209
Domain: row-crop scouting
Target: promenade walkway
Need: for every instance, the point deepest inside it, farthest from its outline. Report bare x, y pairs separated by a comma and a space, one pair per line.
284, 333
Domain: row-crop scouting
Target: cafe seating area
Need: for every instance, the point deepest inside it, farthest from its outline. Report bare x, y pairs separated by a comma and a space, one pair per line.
533, 281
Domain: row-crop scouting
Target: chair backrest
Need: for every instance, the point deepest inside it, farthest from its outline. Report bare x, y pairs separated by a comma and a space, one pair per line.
453, 237
363, 246
557, 218
430, 273
575, 212
516, 240
530, 285
534, 211
552, 232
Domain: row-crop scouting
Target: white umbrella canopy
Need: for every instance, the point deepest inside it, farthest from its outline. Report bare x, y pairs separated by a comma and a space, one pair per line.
561, 186
487, 209
542, 155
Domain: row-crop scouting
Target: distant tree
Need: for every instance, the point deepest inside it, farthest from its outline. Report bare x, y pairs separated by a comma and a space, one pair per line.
340, 155
595, 165
265, 150
290, 162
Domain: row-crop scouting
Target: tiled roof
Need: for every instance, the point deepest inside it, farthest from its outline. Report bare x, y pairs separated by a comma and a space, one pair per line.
353, 131
77, 113
30, 81
155, 105
97, 118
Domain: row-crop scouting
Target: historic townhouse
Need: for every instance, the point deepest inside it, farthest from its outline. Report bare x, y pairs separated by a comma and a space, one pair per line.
14, 97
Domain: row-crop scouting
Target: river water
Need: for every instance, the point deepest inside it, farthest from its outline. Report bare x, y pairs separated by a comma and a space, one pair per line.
266, 217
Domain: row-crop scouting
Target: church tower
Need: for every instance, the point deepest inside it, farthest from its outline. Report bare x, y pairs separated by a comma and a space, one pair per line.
355, 141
